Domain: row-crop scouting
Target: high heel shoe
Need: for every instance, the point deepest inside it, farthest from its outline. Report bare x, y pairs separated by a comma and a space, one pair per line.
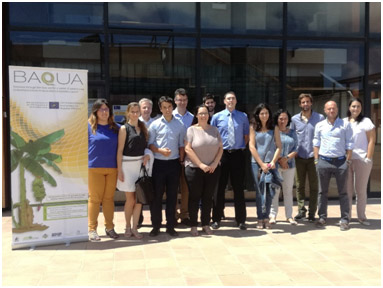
136, 234
193, 231
260, 224
128, 232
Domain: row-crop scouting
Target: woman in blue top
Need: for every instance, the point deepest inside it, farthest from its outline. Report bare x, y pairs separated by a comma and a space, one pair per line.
286, 165
102, 172
265, 146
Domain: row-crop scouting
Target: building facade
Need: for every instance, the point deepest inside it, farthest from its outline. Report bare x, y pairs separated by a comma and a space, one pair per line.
265, 52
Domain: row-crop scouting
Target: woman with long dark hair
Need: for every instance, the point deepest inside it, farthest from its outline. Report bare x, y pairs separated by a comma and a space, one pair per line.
102, 163
286, 167
361, 163
204, 150
265, 147
132, 142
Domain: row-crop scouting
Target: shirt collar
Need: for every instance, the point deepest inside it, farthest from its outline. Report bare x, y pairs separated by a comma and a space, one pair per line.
227, 112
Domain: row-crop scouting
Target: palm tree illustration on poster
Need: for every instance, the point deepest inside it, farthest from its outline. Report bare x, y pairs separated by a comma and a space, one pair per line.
33, 157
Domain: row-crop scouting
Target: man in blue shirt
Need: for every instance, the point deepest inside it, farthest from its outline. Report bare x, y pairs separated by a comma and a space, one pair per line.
304, 124
181, 113
333, 144
233, 126
166, 140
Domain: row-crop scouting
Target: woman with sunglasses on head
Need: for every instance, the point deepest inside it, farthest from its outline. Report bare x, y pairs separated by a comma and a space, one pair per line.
361, 162
203, 147
132, 142
102, 163
265, 146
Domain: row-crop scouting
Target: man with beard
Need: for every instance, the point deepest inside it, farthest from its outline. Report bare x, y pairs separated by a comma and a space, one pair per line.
304, 124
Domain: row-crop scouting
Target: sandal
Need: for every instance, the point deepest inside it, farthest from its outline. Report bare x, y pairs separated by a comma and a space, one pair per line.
193, 231
128, 232
136, 234
260, 224
207, 230
266, 224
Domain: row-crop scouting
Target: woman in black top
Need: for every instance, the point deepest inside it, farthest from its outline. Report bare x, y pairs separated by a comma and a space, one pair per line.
132, 141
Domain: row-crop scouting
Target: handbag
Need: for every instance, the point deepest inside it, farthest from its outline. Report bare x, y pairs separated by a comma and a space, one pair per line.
144, 187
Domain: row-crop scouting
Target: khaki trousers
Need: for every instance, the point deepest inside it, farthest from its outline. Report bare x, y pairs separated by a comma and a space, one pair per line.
102, 185
357, 181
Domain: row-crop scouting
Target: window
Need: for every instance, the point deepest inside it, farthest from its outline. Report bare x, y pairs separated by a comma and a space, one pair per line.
326, 70
326, 19
150, 66
249, 68
75, 15
375, 19
241, 18
156, 16
62, 50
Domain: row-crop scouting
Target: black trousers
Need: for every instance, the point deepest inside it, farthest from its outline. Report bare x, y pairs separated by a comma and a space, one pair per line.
165, 175
233, 165
202, 187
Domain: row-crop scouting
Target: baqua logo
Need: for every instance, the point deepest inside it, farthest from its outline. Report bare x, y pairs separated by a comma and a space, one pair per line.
48, 78
54, 105
45, 236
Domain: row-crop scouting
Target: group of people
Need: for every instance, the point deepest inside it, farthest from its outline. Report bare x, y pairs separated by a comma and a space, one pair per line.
196, 155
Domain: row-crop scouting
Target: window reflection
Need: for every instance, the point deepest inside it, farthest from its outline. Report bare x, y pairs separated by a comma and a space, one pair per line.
327, 19
150, 66
75, 15
241, 18
62, 50
375, 19
324, 70
159, 16
250, 68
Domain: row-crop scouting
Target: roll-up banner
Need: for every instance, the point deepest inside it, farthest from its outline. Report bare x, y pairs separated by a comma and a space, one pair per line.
49, 155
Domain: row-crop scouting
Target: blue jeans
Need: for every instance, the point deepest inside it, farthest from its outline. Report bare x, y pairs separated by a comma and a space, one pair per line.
262, 198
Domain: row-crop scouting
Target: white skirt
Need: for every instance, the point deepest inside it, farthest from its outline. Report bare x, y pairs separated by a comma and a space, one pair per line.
131, 167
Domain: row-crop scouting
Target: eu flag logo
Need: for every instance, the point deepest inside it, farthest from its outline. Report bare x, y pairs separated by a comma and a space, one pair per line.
54, 105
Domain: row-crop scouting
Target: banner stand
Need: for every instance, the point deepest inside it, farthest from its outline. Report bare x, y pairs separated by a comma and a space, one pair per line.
49, 155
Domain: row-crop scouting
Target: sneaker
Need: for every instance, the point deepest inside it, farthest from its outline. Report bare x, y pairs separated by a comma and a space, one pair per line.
93, 236
344, 226
215, 225
292, 221
111, 233
272, 220
364, 222
320, 223
300, 215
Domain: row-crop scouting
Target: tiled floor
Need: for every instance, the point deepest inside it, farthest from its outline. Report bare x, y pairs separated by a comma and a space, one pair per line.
286, 255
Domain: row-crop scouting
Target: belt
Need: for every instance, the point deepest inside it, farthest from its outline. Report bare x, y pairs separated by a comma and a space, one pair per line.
233, 150
328, 159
